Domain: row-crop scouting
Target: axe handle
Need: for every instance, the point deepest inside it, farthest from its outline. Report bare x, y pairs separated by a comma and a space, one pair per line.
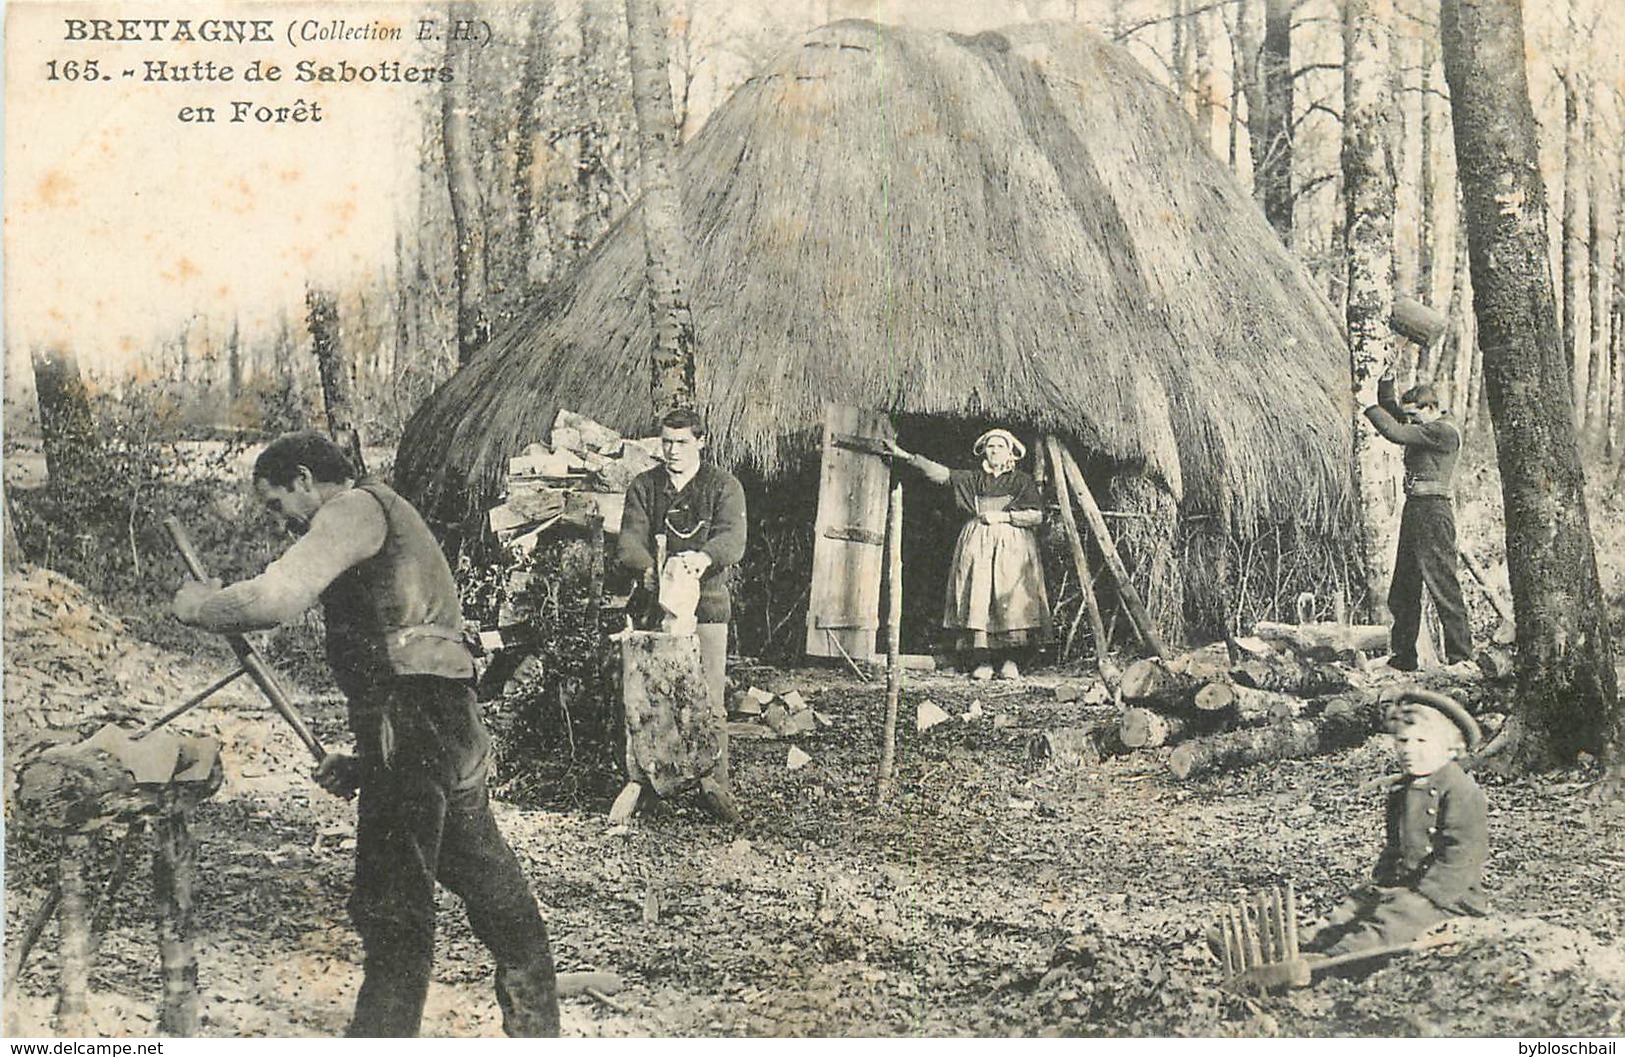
247, 655
190, 703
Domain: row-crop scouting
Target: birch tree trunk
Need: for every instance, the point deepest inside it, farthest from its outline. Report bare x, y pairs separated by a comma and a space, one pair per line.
1597, 273
462, 181
1272, 153
1368, 189
1573, 234
1566, 684
338, 388
671, 365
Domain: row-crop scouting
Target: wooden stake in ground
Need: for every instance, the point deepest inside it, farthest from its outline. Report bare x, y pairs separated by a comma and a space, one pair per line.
894, 633
73, 1004
1114, 562
174, 866
1080, 561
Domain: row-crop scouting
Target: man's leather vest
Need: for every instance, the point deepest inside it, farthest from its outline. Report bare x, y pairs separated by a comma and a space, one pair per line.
396, 613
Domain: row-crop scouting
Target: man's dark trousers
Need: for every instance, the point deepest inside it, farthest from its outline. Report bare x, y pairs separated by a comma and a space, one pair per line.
425, 815
1427, 557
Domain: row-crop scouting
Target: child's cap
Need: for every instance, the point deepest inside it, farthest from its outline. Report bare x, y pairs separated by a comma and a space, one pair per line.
1423, 705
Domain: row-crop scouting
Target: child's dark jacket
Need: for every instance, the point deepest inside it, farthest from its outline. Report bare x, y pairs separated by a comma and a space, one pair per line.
1438, 839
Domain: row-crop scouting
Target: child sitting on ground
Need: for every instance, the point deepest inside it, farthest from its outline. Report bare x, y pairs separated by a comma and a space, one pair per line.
1432, 864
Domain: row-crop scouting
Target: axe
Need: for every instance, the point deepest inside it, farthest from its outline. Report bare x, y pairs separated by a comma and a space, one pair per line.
252, 664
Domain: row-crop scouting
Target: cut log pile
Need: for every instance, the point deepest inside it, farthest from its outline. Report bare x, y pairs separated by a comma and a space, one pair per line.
1284, 691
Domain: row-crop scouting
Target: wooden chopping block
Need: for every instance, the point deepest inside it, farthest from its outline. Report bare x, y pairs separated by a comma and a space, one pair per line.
87, 784
672, 737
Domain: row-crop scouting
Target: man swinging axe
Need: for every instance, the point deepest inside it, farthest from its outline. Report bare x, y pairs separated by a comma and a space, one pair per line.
394, 643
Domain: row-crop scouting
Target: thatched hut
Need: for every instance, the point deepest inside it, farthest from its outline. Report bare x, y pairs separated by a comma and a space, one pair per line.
1017, 227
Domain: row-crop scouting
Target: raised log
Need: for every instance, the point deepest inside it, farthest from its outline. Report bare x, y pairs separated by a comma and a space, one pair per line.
1294, 739
1325, 637
111, 774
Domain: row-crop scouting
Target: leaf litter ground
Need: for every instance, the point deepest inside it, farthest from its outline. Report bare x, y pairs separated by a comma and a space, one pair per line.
995, 894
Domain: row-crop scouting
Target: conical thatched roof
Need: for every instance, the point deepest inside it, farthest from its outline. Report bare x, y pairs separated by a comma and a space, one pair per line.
1017, 226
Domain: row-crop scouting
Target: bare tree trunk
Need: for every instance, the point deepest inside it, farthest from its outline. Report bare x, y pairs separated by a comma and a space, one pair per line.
1272, 152
1427, 235
1179, 25
462, 181
234, 361
1207, 95
671, 374
1462, 336
1597, 271
1567, 691
1368, 188
1573, 234
1616, 334
538, 64
73, 445
338, 389
1247, 47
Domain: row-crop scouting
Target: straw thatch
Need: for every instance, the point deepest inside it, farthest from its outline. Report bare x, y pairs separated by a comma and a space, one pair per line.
1017, 226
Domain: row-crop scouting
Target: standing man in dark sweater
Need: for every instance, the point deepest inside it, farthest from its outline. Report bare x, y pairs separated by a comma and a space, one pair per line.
700, 511
1427, 527
395, 645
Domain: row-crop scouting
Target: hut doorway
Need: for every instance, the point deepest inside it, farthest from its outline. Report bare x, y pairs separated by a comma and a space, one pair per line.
848, 591
932, 523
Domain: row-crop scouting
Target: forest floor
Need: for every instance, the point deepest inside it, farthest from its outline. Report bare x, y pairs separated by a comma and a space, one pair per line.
994, 895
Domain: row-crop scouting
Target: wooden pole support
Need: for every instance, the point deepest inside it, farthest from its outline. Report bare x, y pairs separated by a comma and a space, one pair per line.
1080, 560
174, 867
894, 640
1114, 562
73, 1003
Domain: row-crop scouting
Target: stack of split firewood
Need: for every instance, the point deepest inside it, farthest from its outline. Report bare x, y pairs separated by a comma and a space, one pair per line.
582, 470
1286, 691
577, 478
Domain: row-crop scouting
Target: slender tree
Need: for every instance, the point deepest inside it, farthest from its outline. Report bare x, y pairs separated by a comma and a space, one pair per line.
1597, 272
671, 374
1568, 698
1272, 150
1369, 192
333, 365
463, 184
1573, 233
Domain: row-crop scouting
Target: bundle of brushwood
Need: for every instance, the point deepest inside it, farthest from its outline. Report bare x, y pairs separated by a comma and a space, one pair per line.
1284, 691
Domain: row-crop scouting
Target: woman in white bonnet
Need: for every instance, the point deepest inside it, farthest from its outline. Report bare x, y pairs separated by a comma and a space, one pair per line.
996, 599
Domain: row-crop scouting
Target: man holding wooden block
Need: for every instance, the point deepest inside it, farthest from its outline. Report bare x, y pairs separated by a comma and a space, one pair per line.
692, 513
